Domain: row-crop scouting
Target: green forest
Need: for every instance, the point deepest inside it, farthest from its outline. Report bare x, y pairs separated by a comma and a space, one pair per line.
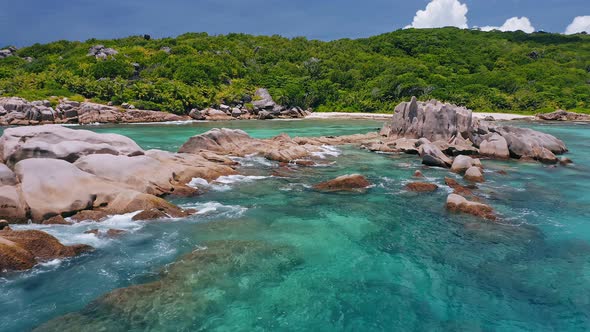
485, 71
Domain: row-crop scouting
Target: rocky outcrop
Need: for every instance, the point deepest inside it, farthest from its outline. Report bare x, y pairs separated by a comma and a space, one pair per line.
421, 187
432, 120
458, 203
61, 172
101, 52
18, 111
454, 132
21, 250
525, 143
561, 115
350, 182
54, 141
8, 52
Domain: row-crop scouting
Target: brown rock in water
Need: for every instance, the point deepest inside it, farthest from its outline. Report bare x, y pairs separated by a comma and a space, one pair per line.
115, 232
421, 187
351, 182
474, 174
86, 215
502, 172
418, 174
57, 220
21, 250
92, 231
150, 214
565, 161
458, 203
459, 189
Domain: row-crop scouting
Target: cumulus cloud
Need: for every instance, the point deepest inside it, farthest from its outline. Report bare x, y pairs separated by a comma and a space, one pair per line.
441, 13
579, 24
513, 24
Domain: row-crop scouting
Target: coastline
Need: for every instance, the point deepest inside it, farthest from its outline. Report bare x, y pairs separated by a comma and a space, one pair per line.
381, 116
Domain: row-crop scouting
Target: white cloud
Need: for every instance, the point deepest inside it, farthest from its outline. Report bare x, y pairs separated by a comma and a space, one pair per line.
513, 24
579, 24
441, 13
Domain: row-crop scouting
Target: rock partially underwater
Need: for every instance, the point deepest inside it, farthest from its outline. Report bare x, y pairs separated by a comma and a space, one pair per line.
186, 291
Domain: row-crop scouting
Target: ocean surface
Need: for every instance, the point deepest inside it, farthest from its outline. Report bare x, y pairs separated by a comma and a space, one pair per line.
268, 253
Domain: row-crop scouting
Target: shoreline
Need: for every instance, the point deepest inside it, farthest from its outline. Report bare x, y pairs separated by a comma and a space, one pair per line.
383, 116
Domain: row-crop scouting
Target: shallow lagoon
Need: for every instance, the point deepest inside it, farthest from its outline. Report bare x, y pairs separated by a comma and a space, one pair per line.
267, 253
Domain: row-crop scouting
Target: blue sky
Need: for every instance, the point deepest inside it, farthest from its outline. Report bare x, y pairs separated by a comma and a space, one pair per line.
23, 22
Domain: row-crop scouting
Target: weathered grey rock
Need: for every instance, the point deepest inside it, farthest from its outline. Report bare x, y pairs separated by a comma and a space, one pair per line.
213, 114
433, 156
494, 145
263, 100
101, 52
265, 115
432, 120
236, 112
54, 141
561, 115
196, 114
530, 144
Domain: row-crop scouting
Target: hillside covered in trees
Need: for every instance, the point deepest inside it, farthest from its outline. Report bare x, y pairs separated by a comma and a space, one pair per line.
485, 71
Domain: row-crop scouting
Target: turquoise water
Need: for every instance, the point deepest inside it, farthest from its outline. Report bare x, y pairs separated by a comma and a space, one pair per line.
266, 253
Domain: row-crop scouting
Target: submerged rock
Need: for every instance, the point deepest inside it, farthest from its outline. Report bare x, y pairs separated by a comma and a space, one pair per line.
458, 203
21, 250
421, 187
350, 182
197, 286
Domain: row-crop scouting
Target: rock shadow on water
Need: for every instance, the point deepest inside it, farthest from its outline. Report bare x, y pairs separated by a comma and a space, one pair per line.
191, 291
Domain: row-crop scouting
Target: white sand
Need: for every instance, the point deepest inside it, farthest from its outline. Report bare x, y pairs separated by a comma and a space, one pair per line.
380, 116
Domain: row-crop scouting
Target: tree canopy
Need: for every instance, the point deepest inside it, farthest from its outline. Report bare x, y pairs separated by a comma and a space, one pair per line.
485, 71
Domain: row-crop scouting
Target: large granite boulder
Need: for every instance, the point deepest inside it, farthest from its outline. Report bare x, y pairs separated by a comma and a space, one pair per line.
494, 145
54, 141
238, 143
21, 250
432, 120
52, 187
433, 156
463, 163
263, 100
531, 144
156, 173
7, 177
12, 205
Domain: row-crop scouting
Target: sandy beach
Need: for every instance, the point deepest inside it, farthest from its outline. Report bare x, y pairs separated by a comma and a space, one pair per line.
381, 116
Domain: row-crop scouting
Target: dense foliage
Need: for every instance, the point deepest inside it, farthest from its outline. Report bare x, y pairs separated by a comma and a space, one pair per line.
486, 71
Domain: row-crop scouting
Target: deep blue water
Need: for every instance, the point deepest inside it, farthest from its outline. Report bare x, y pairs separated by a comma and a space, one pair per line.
270, 254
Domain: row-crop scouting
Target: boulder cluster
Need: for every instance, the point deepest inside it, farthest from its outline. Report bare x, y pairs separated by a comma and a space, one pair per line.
561, 115
7, 52
452, 130
101, 52
18, 111
446, 135
262, 107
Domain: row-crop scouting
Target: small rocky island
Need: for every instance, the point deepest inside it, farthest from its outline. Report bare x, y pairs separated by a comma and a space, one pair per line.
51, 174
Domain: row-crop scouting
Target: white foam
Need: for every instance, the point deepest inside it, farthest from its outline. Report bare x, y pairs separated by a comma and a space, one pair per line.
74, 233
216, 209
327, 150
253, 160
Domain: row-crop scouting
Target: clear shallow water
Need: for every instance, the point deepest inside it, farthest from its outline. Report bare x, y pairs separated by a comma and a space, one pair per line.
266, 253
